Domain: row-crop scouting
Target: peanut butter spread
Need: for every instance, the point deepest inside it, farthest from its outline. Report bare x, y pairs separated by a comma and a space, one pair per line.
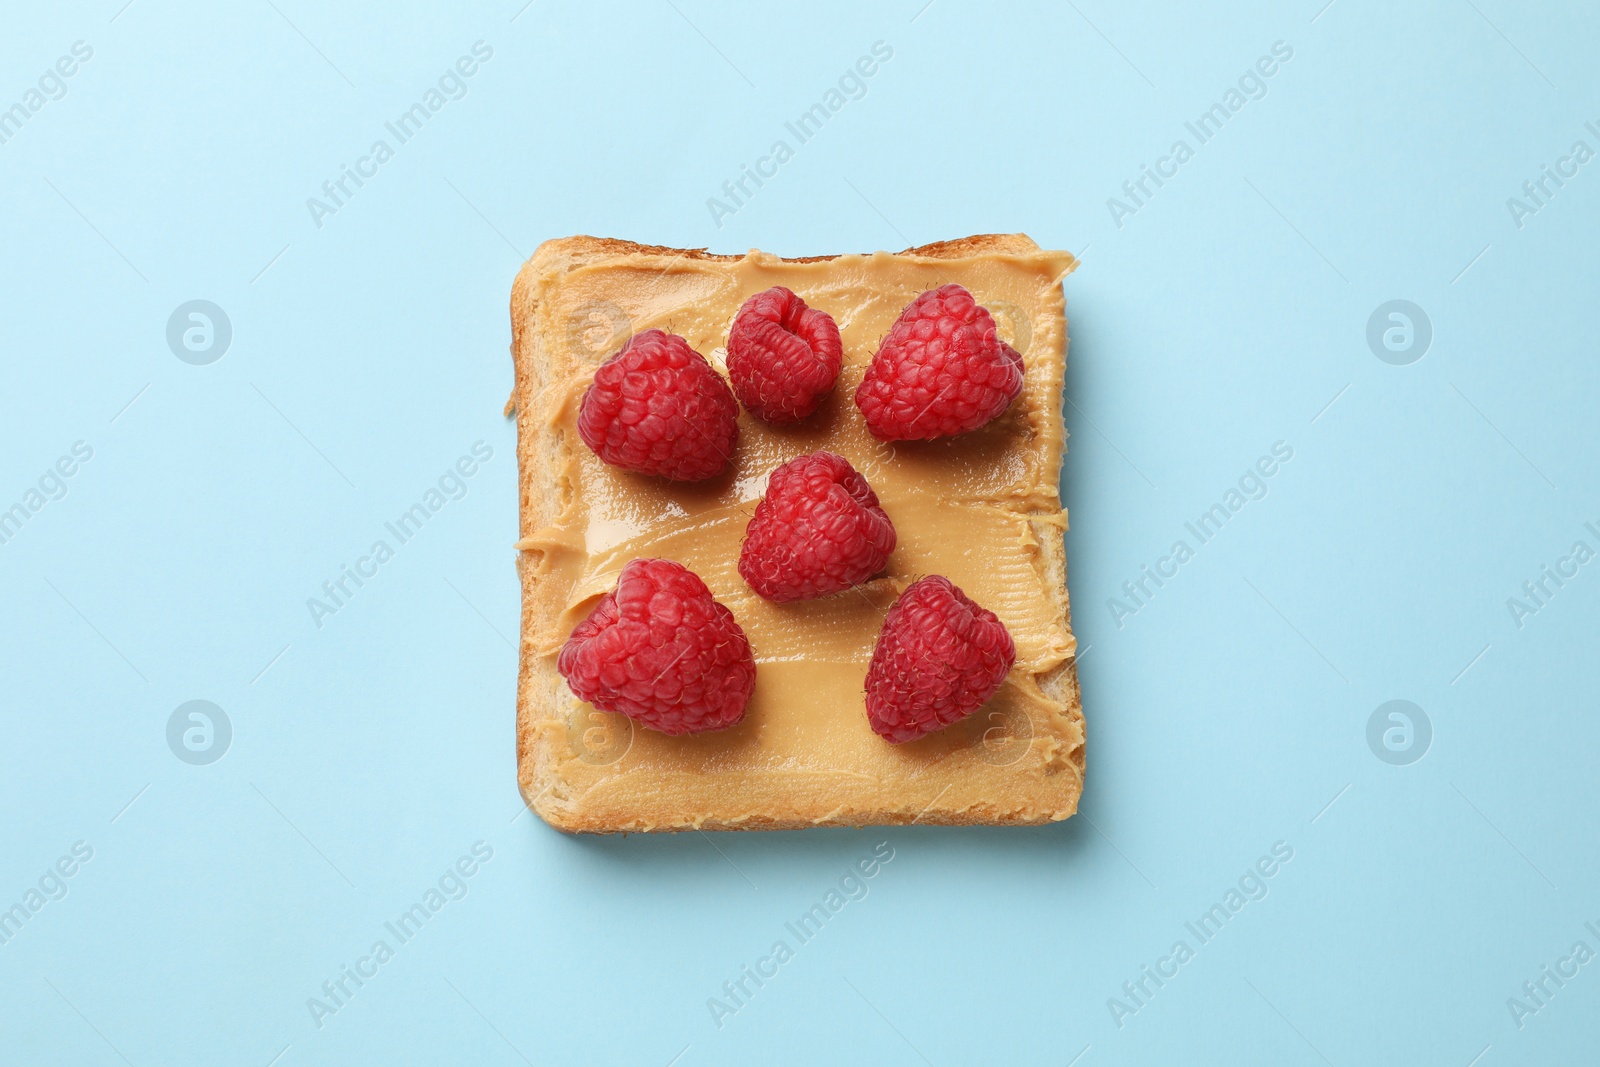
982, 509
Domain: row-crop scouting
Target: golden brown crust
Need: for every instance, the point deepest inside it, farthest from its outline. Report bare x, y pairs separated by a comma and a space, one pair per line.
543, 495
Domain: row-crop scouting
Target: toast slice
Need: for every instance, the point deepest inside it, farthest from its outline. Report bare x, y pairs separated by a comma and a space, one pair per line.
982, 509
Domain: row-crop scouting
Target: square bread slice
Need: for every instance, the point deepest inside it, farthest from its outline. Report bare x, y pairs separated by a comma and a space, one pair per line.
982, 509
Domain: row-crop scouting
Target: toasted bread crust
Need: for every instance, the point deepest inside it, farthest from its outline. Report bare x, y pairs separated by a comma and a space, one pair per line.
540, 458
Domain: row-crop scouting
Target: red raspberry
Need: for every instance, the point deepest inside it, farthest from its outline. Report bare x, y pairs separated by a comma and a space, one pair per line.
942, 370
783, 356
818, 530
657, 407
659, 650
939, 657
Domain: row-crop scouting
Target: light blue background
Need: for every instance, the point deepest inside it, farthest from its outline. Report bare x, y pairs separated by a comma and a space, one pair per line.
1229, 713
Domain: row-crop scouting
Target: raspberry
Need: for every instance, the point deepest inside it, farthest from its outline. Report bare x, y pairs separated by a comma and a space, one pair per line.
818, 530
939, 657
658, 407
659, 650
783, 356
942, 370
